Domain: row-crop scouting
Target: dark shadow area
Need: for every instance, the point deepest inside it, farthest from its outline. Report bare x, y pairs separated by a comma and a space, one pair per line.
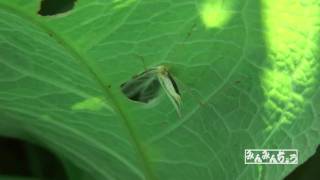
53, 7
308, 170
22, 159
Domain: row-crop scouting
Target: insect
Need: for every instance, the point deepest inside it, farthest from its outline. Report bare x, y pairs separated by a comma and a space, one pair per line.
145, 86
170, 87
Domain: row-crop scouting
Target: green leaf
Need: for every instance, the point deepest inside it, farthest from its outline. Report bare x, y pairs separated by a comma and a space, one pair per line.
248, 72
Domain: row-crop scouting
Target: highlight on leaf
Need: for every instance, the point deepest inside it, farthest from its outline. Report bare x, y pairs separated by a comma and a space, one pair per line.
145, 86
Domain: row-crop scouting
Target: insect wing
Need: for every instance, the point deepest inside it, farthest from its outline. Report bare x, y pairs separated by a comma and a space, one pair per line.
168, 85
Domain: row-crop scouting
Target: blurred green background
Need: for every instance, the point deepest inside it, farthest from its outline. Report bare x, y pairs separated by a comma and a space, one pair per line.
23, 160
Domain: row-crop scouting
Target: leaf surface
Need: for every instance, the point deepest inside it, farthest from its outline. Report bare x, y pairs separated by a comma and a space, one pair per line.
248, 72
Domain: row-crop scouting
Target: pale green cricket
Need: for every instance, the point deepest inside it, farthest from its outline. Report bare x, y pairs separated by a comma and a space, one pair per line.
169, 86
141, 87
